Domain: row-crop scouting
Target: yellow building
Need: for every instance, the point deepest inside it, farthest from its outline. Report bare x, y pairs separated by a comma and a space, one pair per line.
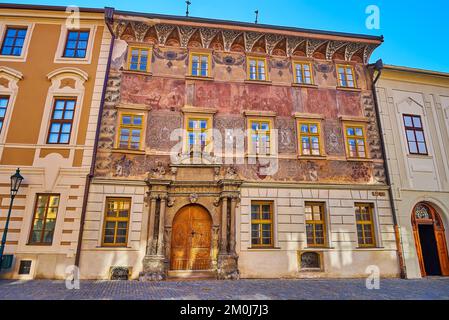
414, 107
52, 69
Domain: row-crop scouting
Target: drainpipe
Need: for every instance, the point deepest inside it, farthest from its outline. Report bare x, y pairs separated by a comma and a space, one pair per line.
108, 18
378, 66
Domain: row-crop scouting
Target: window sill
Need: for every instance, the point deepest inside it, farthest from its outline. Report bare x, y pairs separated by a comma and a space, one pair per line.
264, 248
304, 85
40, 244
190, 77
419, 156
318, 248
369, 248
128, 151
258, 81
359, 159
84, 60
143, 73
320, 157
261, 156
349, 89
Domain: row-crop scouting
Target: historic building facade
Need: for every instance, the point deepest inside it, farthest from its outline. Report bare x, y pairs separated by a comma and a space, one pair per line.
414, 107
237, 150
52, 69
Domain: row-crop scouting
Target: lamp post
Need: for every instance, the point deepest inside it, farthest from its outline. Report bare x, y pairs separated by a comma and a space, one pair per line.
16, 181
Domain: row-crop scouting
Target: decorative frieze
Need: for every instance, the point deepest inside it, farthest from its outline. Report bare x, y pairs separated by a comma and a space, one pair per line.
138, 29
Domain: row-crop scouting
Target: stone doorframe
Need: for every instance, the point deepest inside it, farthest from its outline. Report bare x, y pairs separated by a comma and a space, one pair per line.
167, 194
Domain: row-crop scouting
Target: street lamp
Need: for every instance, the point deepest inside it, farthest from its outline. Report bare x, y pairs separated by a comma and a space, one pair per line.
16, 181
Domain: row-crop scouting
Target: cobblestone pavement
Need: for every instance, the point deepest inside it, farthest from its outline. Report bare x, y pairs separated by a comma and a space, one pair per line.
430, 288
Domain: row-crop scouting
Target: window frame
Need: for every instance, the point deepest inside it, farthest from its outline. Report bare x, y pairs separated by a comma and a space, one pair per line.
248, 68
260, 222
17, 28
140, 48
250, 121
208, 131
26, 43
131, 113
209, 63
339, 80
355, 125
302, 63
116, 219
314, 222
63, 36
30, 242
309, 122
371, 222
61, 121
77, 40
414, 129
2, 119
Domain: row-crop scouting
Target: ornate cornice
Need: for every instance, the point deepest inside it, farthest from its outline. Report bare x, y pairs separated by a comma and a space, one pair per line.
268, 41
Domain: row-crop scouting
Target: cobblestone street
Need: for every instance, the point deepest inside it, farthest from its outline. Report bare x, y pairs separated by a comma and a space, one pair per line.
430, 288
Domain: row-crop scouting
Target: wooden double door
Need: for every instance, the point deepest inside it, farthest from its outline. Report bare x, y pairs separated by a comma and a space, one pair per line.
430, 241
191, 239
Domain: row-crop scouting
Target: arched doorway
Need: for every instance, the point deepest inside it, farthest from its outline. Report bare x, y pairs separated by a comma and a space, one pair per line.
430, 240
191, 239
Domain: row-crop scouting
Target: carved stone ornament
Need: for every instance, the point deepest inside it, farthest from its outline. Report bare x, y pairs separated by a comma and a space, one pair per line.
217, 202
193, 198
231, 173
157, 172
170, 202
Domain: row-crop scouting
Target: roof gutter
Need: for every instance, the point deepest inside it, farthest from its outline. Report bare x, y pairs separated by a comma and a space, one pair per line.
378, 66
108, 17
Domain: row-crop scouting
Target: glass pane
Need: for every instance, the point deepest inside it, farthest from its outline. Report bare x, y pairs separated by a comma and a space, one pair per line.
408, 121
417, 122
254, 212
350, 131
419, 136
410, 135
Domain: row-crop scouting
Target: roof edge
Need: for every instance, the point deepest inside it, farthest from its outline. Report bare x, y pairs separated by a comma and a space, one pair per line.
416, 70
46, 7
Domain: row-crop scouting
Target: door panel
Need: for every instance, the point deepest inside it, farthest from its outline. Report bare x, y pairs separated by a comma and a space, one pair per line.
429, 250
191, 242
442, 252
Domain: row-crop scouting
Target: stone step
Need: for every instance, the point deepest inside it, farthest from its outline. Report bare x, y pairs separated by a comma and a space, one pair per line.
191, 274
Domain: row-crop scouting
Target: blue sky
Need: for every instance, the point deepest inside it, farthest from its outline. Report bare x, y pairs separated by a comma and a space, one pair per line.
416, 32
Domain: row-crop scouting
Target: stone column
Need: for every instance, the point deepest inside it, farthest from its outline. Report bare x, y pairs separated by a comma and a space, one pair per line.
154, 260
224, 226
151, 225
232, 229
160, 238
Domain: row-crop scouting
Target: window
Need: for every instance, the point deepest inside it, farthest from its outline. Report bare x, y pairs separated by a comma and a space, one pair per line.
116, 222
355, 141
261, 223
302, 72
13, 41
197, 136
44, 220
257, 69
309, 138
199, 64
130, 131
61, 121
315, 224
415, 135
3, 105
138, 59
24, 267
365, 224
346, 76
260, 137
76, 44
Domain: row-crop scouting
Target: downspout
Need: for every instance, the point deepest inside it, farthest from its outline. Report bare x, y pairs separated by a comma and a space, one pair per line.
108, 18
378, 66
